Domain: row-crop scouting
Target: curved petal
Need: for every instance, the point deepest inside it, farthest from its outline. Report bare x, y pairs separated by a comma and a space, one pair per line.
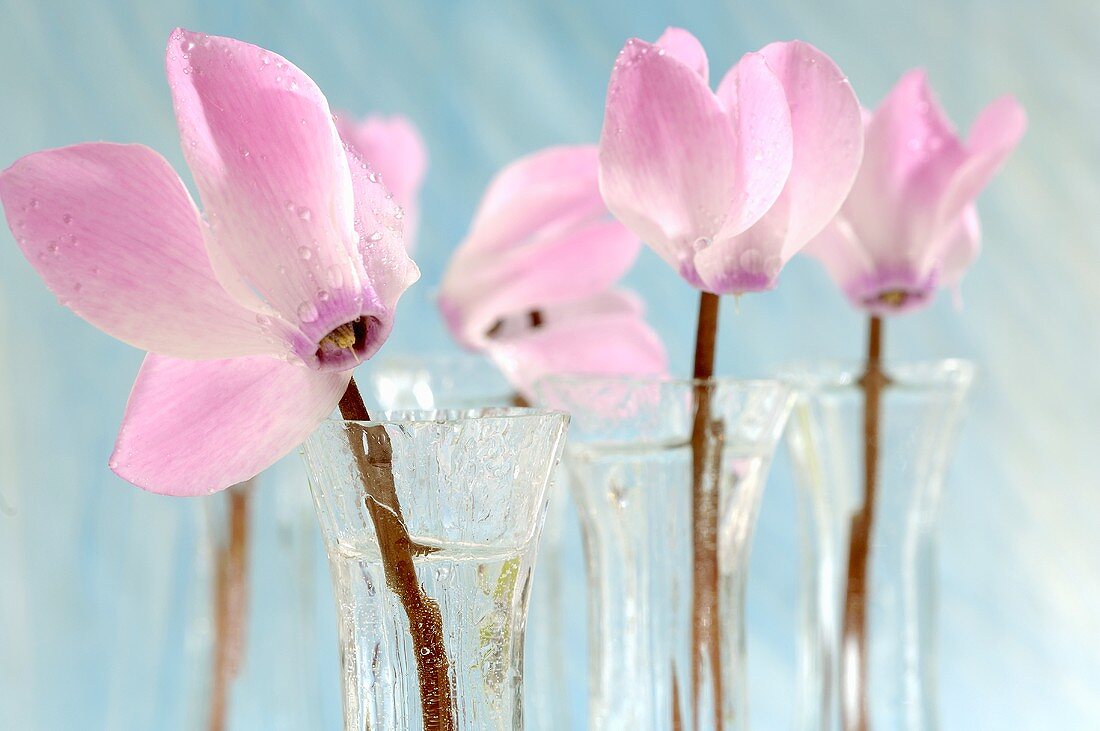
386, 270
839, 250
682, 45
669, 162
961, 248
272, 173
606, 334
561, 266
827, 127
992, 139
196, 427
757, 103
774, 207
115, 235
910, 152
394, 149
556, 186
876, 287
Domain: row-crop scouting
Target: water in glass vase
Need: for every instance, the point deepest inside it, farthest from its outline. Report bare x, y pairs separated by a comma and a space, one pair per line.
470, 493
477, 591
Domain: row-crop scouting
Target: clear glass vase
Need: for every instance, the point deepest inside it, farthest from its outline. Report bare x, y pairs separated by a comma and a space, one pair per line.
667, 476
467, 381
436, 543
868, 608
260, 642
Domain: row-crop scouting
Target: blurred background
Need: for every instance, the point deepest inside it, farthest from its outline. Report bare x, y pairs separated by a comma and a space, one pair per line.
99, 582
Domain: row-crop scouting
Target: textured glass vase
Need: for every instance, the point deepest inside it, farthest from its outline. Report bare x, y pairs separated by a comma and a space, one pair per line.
258, 640
652, 664
469, 494
467, 381
893, 647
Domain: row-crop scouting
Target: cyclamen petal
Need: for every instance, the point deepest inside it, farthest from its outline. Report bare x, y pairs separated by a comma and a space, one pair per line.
687, 48
114, 234
827, 146
727, 186
531, 283
196, 427
395, 152
669, 157
606, 334
273, 176
542, 236
909, 225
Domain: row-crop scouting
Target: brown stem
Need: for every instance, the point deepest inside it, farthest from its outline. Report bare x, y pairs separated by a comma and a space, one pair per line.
374, 455
853, 679
230, 603
520, 402
705, 631
677, 714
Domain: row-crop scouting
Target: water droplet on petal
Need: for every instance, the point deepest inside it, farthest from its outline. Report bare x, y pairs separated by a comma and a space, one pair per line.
67, 218
335, 276
323, 295
307, 312
376, 236
305, 252
304, 213
700, 243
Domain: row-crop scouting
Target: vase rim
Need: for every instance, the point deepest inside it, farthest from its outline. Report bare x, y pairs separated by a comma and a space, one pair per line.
777, 384
912, 374
405, 417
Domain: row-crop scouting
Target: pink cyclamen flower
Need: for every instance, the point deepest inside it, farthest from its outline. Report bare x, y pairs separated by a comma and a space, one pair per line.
910, 225
252, 313
533, 282
727, 186
396, 153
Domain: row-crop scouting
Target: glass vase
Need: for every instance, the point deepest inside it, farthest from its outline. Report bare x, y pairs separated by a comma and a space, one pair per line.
868, 607
667, 476
431, 521
466, 381
262, 648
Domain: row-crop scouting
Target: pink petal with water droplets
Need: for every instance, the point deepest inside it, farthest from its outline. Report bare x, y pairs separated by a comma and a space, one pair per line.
383, 263
757, 103
670, 168
115, 235
273, 176
683, 46
606, 334
195, 427
394, 149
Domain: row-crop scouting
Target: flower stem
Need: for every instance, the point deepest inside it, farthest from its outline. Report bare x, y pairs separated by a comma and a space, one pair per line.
374, 455
854, 706
705, 630
230, 603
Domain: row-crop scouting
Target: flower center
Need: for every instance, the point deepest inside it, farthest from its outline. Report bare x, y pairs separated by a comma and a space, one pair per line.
532, 320
345, 345
340, 338
894, 297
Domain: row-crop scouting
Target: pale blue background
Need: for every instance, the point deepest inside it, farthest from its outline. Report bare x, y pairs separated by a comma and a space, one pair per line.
96, 578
